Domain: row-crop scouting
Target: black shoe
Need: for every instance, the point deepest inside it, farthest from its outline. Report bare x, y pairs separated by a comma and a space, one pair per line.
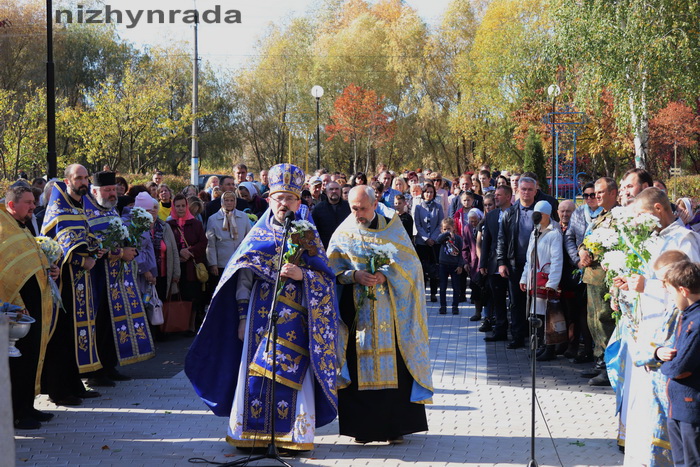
397, 440
433, 298
41, 416
362, 441
496, 338
582, 358
443, 311
27, 423
515, 344
600, 364
570, 354
475, 317
486, 326
68, 401
548, 354
455, 311
592, 373
540, 350
114, 375
100, 382
561, 349
600, 380
89, 394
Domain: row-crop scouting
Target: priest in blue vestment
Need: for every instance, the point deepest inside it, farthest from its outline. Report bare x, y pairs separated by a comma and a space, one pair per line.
228, 362
386, 377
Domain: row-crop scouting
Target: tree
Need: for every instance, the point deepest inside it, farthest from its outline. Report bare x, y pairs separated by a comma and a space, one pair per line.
675, 126
359, 117
534, 159
638, 49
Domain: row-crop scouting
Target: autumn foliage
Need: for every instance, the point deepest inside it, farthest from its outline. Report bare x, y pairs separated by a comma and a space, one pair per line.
676, 125
359, 117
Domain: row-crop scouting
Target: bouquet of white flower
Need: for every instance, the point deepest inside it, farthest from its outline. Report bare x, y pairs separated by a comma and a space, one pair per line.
141, 222
53, 252
379, 256
114, 236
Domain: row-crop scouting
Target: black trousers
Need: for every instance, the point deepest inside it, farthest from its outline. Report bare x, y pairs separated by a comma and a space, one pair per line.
499, 311
23, 369
447, 272
518, 301
428, 256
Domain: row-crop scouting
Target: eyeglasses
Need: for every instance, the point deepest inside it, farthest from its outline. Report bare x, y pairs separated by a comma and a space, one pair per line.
284, 199
588, 195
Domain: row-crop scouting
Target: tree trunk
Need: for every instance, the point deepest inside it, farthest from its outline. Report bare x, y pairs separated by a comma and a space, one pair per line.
354, 149
640, 127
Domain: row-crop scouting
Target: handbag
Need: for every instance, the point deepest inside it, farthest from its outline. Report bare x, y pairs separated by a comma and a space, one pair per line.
176, 315
541, 279
555, 331
200, 270
154, 308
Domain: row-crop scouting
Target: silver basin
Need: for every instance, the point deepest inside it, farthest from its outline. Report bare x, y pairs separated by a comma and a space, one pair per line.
19, 327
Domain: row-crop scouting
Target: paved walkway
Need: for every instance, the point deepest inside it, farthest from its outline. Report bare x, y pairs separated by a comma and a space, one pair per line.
480, 415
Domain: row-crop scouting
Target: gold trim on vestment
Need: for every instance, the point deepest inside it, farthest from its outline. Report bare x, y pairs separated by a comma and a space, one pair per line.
261, 441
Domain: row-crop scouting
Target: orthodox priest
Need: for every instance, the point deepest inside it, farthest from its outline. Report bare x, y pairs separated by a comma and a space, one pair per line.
24, 281
123, 334
233, 376
72, 348
386, 377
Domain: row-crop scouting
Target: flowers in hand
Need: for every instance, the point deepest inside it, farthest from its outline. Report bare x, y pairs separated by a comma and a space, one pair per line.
50, 248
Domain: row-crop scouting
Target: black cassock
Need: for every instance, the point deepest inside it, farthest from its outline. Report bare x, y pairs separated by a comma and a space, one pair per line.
376, 415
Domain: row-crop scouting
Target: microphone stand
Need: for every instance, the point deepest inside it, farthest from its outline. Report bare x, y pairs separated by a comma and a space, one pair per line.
272, 451
535, 323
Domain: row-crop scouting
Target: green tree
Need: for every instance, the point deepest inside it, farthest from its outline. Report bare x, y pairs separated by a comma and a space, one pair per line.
534, 159
638, 49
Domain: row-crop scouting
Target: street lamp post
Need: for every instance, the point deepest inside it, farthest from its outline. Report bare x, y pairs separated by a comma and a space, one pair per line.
317, 92
51, 160
553, 91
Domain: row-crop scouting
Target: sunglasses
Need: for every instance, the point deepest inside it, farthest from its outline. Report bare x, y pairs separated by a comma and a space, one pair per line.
588, 195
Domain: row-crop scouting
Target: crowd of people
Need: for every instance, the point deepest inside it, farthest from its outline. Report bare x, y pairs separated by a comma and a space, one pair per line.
352, 338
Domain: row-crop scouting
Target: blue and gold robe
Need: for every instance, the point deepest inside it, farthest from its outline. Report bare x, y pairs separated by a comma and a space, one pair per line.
232, 377
132, 335
68, 225
397, 319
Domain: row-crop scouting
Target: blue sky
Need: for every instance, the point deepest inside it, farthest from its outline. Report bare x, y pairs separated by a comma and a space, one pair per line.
228, 46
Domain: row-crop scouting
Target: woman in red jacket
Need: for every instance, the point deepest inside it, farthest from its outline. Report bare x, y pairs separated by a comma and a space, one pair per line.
192, 243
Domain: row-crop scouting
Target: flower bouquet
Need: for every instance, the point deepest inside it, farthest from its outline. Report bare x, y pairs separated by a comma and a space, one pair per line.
379, 256
53, 253
141, 222
114, 236
301, 239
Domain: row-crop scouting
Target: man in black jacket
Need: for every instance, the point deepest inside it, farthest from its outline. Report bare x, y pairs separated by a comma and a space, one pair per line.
488, 265
227, 184
511, 252
541, 195
329, 214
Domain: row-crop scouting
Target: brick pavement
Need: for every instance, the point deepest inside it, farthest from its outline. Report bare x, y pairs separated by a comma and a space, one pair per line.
480, 415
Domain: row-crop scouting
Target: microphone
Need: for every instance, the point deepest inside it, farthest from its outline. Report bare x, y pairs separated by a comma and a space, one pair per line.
288, 219
536, 218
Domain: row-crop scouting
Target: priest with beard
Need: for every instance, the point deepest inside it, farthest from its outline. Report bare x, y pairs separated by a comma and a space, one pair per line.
123, 334
72, 348
385, 365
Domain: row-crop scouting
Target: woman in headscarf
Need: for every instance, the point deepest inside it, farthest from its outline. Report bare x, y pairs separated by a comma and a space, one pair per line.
226, 229
428, 217
249, 192
192, 247
684, 209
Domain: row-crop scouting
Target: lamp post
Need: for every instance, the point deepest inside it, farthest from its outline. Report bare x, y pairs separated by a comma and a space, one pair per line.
317, 92
553, 91
51, 160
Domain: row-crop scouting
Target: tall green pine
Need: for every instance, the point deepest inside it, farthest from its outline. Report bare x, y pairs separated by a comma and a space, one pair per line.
534, 159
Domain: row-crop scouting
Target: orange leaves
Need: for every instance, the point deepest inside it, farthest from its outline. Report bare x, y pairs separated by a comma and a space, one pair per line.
675, 123
359, 113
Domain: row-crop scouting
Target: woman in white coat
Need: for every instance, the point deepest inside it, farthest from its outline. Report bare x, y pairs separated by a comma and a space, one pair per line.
226, 229
550, 260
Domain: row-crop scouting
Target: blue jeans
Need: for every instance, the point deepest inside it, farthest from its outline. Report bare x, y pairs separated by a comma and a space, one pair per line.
446, 272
